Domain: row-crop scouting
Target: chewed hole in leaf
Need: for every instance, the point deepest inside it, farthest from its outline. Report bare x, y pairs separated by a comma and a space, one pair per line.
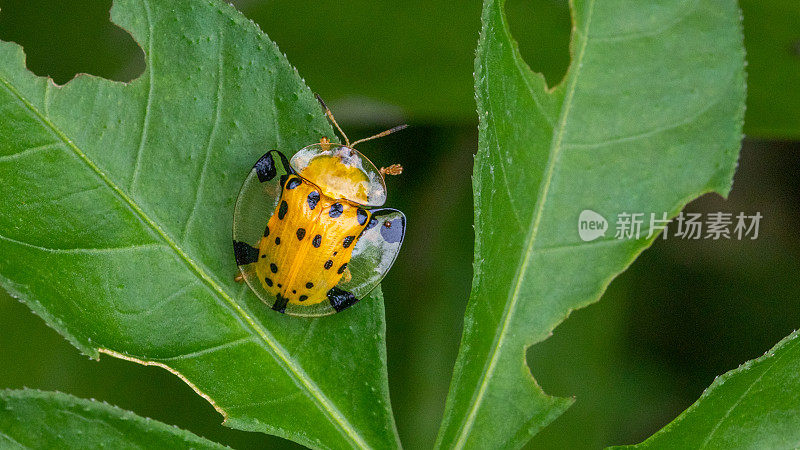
542, 31
77, 37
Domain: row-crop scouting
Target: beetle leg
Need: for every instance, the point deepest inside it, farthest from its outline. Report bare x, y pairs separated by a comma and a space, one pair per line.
347, 276
239, 277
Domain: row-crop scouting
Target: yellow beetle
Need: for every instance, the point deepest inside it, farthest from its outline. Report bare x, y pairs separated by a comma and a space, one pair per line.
325, 246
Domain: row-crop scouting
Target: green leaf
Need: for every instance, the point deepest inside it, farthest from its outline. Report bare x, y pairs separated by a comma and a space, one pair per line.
36, 419
756, 405
773, 68
115, 224
647, 118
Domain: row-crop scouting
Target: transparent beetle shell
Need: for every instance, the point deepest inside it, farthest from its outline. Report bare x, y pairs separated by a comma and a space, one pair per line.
340, 173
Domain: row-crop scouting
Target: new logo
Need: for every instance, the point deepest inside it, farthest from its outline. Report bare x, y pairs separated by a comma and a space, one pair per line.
591, 225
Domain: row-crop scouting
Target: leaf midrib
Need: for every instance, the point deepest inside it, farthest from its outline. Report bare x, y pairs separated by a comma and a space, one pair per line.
555, 149
323, 402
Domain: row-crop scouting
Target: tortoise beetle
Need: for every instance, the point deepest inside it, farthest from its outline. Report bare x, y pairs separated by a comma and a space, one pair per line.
327, 243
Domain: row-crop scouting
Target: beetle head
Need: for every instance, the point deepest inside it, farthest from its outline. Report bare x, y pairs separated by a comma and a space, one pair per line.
341, 172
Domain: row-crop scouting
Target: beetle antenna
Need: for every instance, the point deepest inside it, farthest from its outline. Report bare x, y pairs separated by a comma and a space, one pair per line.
380, 135
329, 114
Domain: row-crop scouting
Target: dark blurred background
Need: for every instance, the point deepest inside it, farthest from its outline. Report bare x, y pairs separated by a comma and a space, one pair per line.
685, 312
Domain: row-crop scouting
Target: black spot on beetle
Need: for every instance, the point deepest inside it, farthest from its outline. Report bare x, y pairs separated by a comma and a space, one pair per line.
328, 264
280, 285
309, 285
342, 269
266, 231
303, 298
244, 253
268, 281
301, 233
336, 210
293, 183
277, 240
282, 210
341, 299
347, 241
273, 267
317, 241
362, 216
313, 199
294, 291
263, 256
280, 303
265, 168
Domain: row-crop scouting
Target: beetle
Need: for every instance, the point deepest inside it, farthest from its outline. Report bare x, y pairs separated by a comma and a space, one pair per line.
327, 242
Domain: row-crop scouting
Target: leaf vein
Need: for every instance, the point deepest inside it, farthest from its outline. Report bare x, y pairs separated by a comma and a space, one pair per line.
155, 306
61, 198
89, 251
580, 244
274, 401
148, 105
46, 99
208, 350
687, 11
501, 162
526, 72
30, 150
12, 440
656, 130
211, 135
